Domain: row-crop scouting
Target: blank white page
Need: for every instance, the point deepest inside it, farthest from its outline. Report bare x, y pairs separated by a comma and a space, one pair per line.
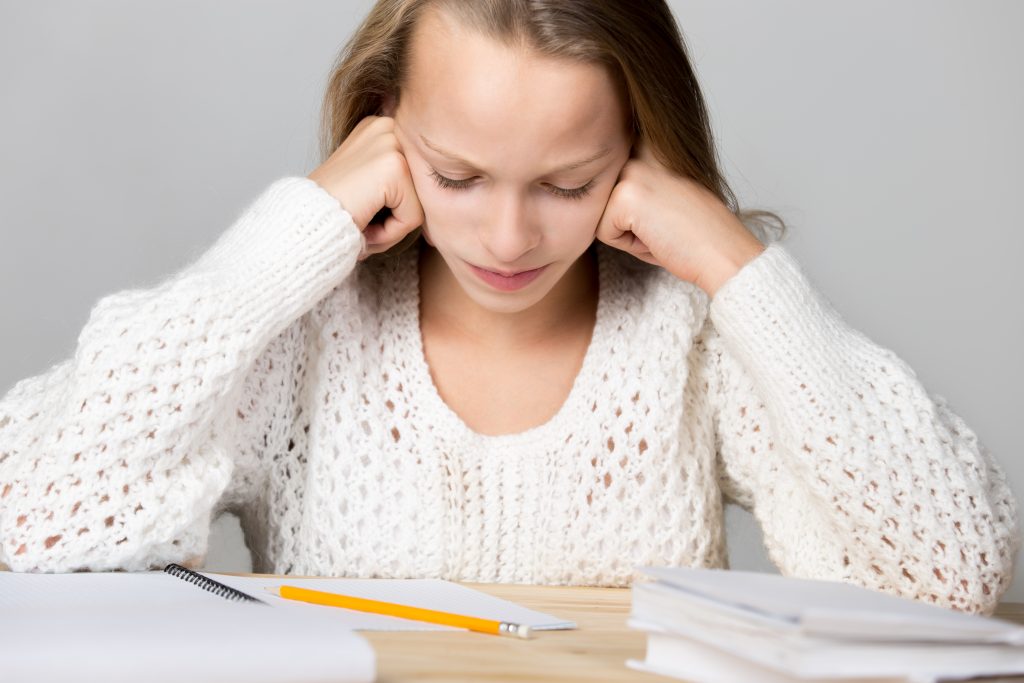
154, 627
106, 589
433, 594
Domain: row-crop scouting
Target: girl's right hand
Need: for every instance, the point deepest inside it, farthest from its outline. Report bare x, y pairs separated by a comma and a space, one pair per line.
367, 174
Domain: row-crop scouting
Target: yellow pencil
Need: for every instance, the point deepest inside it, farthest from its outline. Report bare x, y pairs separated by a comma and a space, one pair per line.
316, 597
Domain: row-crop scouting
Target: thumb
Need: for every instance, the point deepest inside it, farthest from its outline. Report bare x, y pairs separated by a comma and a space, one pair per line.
616, 230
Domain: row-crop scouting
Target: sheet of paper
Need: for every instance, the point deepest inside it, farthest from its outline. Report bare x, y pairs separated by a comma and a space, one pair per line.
433, 594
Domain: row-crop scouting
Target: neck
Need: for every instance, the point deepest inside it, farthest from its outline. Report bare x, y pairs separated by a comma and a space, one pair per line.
444, 305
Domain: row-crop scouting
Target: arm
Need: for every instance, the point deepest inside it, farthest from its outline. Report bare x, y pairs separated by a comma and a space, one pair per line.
852, 470
116, 457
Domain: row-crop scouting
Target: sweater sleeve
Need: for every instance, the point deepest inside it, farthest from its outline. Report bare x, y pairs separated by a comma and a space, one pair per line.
854, 472
115, 458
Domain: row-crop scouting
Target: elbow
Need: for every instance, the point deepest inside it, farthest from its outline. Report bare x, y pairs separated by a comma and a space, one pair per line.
968, 566
989, 562
993, 571
975, 590
979, 574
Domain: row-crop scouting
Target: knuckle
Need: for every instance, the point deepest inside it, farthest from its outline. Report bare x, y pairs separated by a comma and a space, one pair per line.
398, 164
626, 194
391, 165
383, 122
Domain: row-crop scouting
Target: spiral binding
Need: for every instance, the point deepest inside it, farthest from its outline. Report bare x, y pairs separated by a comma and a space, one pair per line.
208, 584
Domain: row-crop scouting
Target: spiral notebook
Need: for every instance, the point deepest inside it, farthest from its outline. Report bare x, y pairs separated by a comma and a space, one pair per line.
156, 627
177, 624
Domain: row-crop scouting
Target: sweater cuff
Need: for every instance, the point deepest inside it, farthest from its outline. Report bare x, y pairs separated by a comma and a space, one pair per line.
294, 217
782, 330
293, 243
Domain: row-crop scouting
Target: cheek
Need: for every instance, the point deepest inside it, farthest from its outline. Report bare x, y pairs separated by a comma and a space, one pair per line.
441, 216
575, 223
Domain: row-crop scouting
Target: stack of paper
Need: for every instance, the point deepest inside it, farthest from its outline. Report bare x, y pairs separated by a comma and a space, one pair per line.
721, 626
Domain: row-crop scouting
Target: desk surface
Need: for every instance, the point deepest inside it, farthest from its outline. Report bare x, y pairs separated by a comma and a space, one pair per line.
596, 651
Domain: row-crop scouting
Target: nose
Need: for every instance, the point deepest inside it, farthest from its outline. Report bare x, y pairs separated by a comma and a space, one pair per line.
508, 233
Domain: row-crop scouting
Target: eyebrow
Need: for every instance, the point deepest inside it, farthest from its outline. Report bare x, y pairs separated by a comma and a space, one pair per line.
564, 167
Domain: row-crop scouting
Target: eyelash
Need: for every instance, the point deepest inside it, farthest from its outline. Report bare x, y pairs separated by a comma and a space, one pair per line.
451, 184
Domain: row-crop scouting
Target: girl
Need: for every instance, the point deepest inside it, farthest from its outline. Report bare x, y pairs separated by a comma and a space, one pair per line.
511, 330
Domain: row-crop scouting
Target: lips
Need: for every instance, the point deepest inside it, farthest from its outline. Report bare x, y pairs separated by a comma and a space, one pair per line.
507, 273
507, 280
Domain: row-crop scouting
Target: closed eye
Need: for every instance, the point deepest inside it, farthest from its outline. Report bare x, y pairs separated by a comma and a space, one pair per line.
452, 184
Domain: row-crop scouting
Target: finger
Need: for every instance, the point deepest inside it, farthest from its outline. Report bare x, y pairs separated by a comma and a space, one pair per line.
406, 210
374, 234
608, 230
381, 236
648, 258
623, 240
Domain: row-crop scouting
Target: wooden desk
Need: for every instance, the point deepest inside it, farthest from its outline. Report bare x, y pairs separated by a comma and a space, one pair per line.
596, 651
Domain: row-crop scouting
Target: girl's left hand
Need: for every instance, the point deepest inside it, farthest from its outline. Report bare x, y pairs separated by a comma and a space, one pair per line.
674, 222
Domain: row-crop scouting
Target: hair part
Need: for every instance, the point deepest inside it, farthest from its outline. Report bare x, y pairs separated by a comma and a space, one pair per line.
637, 41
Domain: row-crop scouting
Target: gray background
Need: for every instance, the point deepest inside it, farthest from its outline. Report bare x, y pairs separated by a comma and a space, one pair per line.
886, 133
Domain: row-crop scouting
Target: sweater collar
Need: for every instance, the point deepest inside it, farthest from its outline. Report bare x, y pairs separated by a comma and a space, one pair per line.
402, 292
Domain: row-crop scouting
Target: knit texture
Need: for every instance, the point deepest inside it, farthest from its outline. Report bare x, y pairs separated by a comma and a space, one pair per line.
277, 378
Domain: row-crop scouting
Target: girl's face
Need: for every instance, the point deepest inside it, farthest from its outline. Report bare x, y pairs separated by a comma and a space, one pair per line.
513, 157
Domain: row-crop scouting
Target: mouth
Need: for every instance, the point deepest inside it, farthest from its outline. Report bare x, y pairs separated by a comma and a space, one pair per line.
507, 280
507, 273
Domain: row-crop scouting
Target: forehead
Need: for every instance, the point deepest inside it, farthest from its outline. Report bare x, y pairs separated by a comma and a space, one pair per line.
463, 87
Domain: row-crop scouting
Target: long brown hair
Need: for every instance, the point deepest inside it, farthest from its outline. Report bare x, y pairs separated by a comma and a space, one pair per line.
638, 41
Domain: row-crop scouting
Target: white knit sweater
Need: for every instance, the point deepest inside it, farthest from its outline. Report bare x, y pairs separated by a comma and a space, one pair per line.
277, 378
